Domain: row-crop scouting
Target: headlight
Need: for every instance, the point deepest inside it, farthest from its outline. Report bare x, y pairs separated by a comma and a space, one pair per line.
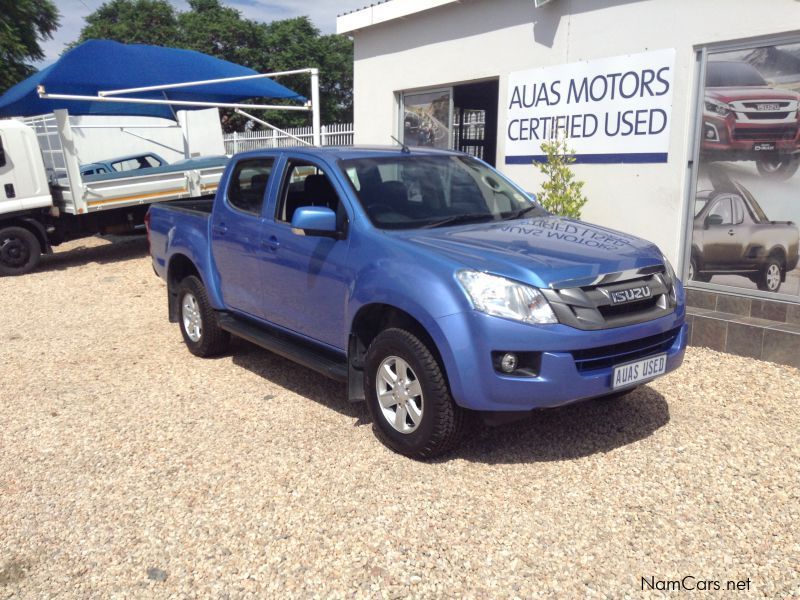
718, 108
669, 270
672, 279
502, 297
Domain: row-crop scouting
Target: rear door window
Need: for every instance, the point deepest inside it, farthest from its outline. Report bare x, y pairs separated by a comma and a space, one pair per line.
248, 184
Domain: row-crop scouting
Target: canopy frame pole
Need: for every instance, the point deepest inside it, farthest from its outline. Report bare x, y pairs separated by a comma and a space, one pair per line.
265, 124
315, 118
45, 96
170, 86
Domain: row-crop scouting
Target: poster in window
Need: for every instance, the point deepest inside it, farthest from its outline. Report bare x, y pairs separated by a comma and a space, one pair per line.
747, 201
426, 119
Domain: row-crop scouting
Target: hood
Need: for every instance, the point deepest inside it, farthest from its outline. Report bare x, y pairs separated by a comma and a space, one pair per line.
539, 251
732, 94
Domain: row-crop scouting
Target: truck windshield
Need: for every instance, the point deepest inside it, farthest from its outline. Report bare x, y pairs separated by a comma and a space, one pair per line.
415, 191
733, 74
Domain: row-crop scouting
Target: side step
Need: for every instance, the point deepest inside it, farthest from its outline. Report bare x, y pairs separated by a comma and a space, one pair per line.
319, 359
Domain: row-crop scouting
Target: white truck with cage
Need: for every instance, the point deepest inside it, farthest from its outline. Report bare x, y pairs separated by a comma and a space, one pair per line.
45, 200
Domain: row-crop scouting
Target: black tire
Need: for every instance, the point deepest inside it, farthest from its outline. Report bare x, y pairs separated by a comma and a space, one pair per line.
441, 423
695, 274
778, 168
770, 275
20, 251
210, 340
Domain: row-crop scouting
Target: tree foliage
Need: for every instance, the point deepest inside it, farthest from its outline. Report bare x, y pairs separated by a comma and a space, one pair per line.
561, 193
218, 30
23, 25
132, 22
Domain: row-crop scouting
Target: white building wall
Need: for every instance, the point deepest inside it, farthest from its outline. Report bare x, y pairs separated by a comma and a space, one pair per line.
478, 39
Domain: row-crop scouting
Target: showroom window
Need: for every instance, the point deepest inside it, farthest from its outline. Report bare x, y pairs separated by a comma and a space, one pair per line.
743, 235
462, 117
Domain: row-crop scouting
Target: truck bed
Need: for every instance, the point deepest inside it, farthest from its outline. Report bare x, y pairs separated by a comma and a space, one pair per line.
185, 179
200, 205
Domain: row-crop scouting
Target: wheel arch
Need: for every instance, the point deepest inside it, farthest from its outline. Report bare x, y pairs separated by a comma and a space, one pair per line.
367, 323
779, 253
180, 267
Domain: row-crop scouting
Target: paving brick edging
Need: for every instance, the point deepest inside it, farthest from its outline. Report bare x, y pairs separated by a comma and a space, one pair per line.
751, 327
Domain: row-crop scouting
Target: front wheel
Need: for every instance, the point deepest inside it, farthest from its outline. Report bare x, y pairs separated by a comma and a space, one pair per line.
408, 397
769, 279
19, 251
199, 327
778, 168
695, 274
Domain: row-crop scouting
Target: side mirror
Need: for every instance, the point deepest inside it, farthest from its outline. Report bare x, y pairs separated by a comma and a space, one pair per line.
314, 220
2, 154
713, 220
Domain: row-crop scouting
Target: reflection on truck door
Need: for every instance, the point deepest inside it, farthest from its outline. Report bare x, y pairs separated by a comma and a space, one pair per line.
306, 276
239, 254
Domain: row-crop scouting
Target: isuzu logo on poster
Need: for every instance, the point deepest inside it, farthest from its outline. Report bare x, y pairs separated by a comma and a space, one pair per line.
612, 110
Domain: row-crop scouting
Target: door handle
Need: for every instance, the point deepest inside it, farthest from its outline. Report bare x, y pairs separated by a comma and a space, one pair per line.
10, 193
272, 243
220, 229
731, 232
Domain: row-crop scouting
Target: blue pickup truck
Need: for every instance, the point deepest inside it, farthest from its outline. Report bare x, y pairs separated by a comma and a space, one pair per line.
424, 279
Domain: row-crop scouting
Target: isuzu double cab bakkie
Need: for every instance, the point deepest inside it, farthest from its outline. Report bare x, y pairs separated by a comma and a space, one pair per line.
431, 284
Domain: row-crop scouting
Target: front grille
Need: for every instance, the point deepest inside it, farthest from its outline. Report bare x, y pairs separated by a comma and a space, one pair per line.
765, 133
616, 310
763, 116
605, 357
754, 106
590, 306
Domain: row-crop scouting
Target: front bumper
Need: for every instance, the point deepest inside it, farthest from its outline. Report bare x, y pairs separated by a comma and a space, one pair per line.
733, 139
563, 373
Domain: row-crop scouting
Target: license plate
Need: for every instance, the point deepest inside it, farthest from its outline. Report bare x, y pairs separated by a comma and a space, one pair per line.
771, 107
764, 147
637, 371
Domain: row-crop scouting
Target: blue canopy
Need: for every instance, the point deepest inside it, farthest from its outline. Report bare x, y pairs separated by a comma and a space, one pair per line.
105, 65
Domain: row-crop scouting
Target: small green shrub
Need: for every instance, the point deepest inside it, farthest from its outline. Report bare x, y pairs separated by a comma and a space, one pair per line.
561, 194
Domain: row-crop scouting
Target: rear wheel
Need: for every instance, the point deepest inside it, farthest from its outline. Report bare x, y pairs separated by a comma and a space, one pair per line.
198, 321
19, 251
412, 410
769, 279
779, 168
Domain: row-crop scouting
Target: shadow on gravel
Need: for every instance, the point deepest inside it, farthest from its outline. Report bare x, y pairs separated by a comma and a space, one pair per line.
297, 379
570, 432
120, 249
565, 433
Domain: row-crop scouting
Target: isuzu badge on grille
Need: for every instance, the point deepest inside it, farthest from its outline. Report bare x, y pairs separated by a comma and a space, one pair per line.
631, 295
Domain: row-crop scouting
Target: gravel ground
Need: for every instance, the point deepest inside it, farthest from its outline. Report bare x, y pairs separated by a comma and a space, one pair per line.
128, 467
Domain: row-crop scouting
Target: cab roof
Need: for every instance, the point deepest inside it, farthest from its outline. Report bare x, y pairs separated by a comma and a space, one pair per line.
352, 152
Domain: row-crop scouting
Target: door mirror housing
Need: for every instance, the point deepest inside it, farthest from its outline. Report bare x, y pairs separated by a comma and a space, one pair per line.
713, 220
315, 221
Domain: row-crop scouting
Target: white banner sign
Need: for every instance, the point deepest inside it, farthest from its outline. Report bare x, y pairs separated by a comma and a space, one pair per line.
612, 110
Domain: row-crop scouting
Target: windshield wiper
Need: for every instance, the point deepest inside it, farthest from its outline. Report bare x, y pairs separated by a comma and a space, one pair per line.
522, 212
463, 218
